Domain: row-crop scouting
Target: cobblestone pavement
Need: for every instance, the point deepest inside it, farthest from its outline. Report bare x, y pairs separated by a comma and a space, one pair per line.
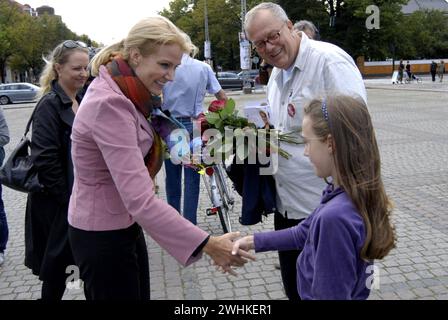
412, 128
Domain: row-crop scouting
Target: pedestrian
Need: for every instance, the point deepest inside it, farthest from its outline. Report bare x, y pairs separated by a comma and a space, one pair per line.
116, 153
351, 226
408, 70
400, 71
302, 70
183, 98
264, 72
309, 28
433, 69
441, 70
4, 230
47, 248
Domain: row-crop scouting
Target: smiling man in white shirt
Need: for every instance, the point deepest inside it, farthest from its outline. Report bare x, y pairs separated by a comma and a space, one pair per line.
304, 69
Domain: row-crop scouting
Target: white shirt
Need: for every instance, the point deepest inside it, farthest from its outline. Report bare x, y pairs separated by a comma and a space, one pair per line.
320, 68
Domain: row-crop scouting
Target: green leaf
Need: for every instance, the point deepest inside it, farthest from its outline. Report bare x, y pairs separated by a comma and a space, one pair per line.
212, 117
228, 109
219, 124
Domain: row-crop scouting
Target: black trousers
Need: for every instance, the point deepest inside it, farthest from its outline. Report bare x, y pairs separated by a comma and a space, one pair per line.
113, 264
288, 259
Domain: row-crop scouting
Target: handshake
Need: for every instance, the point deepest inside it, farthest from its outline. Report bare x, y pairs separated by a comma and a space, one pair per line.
228, 251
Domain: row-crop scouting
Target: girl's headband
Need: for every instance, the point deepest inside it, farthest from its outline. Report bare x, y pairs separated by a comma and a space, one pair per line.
324, 110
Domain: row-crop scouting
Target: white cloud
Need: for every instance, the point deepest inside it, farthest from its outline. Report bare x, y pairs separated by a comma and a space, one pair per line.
102, 20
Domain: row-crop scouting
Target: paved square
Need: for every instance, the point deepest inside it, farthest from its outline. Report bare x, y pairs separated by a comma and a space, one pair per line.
411, 124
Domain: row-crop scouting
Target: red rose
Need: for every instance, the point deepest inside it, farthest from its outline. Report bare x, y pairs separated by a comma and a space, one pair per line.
216, 105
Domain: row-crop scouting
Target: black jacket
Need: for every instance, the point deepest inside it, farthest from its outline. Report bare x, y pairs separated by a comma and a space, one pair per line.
258, 192
47, 250
433, 67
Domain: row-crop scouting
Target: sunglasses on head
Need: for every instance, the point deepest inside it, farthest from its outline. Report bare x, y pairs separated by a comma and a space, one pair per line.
71, 44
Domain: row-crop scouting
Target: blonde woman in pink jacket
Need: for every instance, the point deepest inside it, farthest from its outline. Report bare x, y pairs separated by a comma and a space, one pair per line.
115, 153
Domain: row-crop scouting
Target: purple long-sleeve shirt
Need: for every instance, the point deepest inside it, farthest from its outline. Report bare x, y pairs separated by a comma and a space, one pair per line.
331, 238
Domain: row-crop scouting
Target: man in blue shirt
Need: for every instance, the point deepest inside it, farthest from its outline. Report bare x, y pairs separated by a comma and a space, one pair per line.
183, 98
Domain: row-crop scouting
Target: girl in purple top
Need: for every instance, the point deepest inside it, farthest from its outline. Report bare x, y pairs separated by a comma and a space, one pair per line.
351, 226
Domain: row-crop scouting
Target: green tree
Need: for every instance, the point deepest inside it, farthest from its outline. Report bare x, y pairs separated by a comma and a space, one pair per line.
311, 10
344, 24
31, 46
25, 40
224, 20
428, 31
9, 17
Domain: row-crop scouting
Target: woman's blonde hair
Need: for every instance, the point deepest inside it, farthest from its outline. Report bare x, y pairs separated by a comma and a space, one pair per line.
59, 55
358, 166
147, 36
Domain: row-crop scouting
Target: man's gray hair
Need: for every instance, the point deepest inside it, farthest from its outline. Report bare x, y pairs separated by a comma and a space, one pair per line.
304, 25
274, 8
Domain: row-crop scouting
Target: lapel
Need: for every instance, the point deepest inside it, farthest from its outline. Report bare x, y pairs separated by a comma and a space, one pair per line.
144, 124
66, 113
67, 116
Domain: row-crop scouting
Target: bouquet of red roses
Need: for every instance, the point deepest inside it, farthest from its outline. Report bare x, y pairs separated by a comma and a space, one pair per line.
233, 134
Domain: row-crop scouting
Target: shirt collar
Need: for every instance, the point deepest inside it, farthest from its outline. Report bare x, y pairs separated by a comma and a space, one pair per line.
300, 62
55, 86
301, 58
185, 59
330, 192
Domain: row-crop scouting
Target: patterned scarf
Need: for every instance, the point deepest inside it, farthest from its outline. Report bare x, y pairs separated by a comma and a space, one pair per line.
144, 101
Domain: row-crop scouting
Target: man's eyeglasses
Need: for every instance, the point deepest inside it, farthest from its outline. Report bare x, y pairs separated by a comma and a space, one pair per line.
72, 44
272, 39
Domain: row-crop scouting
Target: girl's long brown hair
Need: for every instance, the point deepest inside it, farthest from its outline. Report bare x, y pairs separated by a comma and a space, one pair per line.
358, 166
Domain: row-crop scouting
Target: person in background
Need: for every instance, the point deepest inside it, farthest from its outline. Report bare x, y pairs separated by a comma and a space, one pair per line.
408, 70
303, 69
309, 28
400, 71
433, 70
264, 72
116, 154
4, 230
441, 70
47, 247
183, 98
351, 226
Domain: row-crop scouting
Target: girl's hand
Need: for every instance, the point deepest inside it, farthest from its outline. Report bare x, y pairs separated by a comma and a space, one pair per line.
246, 244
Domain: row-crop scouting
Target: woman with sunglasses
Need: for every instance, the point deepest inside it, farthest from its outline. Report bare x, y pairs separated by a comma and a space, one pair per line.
47, 250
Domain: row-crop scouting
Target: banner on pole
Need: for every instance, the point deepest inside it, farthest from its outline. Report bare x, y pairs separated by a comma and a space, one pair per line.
245, 59
207, 50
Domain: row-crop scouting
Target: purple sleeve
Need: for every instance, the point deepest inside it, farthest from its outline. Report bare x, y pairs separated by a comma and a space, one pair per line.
281, 240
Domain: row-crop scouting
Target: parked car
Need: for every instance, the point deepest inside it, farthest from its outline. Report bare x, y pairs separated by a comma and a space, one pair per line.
252, 74
18, 92
230, 80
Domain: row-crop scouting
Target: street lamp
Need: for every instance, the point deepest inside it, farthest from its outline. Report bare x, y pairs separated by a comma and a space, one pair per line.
207, 43
245, 52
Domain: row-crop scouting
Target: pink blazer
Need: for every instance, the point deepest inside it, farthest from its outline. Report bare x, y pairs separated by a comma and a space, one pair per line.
112, 187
